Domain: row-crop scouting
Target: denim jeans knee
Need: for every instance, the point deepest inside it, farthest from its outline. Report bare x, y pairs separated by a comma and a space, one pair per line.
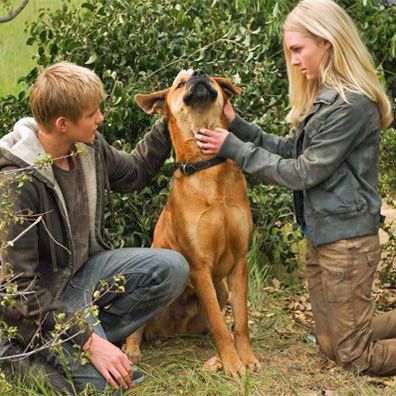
177, 272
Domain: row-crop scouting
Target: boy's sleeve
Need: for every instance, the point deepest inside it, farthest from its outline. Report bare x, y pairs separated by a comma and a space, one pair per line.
35, 310
132, 171
250, 132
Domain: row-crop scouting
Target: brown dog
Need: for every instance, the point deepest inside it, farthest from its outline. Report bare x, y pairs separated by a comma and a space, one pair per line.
206, 218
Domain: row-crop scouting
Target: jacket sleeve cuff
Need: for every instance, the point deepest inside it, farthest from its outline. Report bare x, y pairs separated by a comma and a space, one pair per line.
241, 128
231, 147
80, 336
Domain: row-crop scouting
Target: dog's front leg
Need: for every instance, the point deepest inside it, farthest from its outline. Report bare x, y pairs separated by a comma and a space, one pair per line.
238, 285
132, 345
225, 346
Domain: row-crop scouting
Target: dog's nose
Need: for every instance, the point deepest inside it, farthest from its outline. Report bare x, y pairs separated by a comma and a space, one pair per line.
198, 73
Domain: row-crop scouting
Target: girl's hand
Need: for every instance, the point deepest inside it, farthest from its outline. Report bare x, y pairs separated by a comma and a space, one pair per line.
229, 112
210, 141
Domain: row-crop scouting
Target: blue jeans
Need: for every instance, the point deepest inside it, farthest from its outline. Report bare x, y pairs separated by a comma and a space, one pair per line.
153, 279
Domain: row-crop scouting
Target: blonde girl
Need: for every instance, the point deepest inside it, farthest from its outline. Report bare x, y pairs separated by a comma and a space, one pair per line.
338, 108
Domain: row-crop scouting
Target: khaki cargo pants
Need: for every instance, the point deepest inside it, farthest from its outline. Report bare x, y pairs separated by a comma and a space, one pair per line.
340, 278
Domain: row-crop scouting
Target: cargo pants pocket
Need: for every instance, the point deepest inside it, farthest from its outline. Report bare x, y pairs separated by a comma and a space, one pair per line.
335, 285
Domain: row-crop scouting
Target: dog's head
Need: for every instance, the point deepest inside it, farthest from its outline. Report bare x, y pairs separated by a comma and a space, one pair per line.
194, 100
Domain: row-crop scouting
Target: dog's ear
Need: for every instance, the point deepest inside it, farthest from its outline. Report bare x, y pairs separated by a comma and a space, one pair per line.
228, 88
154, 102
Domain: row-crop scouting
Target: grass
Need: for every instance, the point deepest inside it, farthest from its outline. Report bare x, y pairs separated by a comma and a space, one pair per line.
280, 325
16, 58
291, 363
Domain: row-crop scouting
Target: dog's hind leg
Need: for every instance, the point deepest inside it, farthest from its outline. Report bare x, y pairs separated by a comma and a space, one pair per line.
223, 294
238, 284
132, 345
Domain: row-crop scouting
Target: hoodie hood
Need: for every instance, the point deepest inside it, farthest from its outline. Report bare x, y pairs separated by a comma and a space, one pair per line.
22, 148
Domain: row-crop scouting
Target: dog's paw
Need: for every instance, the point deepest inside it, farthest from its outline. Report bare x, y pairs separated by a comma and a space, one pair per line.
248, 359
214, 364
134, 353
252, 363
232, 367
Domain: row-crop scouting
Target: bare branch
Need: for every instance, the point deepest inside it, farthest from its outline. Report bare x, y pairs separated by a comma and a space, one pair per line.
59, 338
53, 238
223, 39
13, 14
11, 243
30, 168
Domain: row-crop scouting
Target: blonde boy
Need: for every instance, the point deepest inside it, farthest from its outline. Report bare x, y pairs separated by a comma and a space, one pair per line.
63, 258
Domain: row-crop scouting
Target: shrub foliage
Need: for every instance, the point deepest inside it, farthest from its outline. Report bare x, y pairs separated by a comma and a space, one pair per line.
139, 46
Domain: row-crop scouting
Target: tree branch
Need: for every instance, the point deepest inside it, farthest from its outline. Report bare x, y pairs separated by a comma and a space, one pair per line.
15, 13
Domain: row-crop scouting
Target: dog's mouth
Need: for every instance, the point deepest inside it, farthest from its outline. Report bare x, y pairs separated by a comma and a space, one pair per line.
199, 92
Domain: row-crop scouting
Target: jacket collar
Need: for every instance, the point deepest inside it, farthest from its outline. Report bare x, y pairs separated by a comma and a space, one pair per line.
326, 95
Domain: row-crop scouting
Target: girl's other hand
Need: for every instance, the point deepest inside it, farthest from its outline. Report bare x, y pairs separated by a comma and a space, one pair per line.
229, 111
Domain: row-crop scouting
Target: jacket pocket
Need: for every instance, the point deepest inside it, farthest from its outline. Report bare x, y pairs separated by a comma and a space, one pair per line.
336, 195
373, 258
334, 180
325, 203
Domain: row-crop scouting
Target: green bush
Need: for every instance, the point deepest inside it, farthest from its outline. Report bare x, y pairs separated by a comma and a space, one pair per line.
140, 46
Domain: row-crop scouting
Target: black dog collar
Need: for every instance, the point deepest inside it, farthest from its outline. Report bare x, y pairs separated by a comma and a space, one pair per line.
188, 169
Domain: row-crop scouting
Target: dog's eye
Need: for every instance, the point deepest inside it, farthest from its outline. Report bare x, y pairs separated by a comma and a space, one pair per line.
181, 84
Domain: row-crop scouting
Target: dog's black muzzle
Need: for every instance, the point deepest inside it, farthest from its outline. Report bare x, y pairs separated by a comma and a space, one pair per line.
199, 90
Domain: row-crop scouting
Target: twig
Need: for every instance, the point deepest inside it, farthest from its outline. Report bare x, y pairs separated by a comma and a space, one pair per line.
220, 40
31, 167
14, 13
55, 342
11, 243
53, 238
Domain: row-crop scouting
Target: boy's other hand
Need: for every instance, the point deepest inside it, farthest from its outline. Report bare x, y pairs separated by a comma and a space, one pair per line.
187, 73
110, 361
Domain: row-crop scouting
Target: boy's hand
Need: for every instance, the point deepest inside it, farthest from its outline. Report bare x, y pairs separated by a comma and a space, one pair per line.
110, 361
210, 141
229, 111
187, 73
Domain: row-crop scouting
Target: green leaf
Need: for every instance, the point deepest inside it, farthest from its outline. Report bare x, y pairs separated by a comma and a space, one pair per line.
92, 59
88, 6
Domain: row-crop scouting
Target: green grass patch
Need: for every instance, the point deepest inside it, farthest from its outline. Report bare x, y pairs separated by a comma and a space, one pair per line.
284, 344
16, 57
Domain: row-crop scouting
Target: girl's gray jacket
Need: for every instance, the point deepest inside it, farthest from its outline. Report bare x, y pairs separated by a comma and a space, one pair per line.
42, 258
330, 161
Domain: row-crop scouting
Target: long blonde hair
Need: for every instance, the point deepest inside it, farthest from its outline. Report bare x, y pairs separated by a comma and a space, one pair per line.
347, 66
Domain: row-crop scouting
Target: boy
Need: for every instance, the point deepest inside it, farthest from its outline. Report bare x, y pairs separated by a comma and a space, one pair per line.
63, 257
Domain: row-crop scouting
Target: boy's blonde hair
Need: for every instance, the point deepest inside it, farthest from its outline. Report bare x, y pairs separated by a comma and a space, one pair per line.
347, 65
64, 89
